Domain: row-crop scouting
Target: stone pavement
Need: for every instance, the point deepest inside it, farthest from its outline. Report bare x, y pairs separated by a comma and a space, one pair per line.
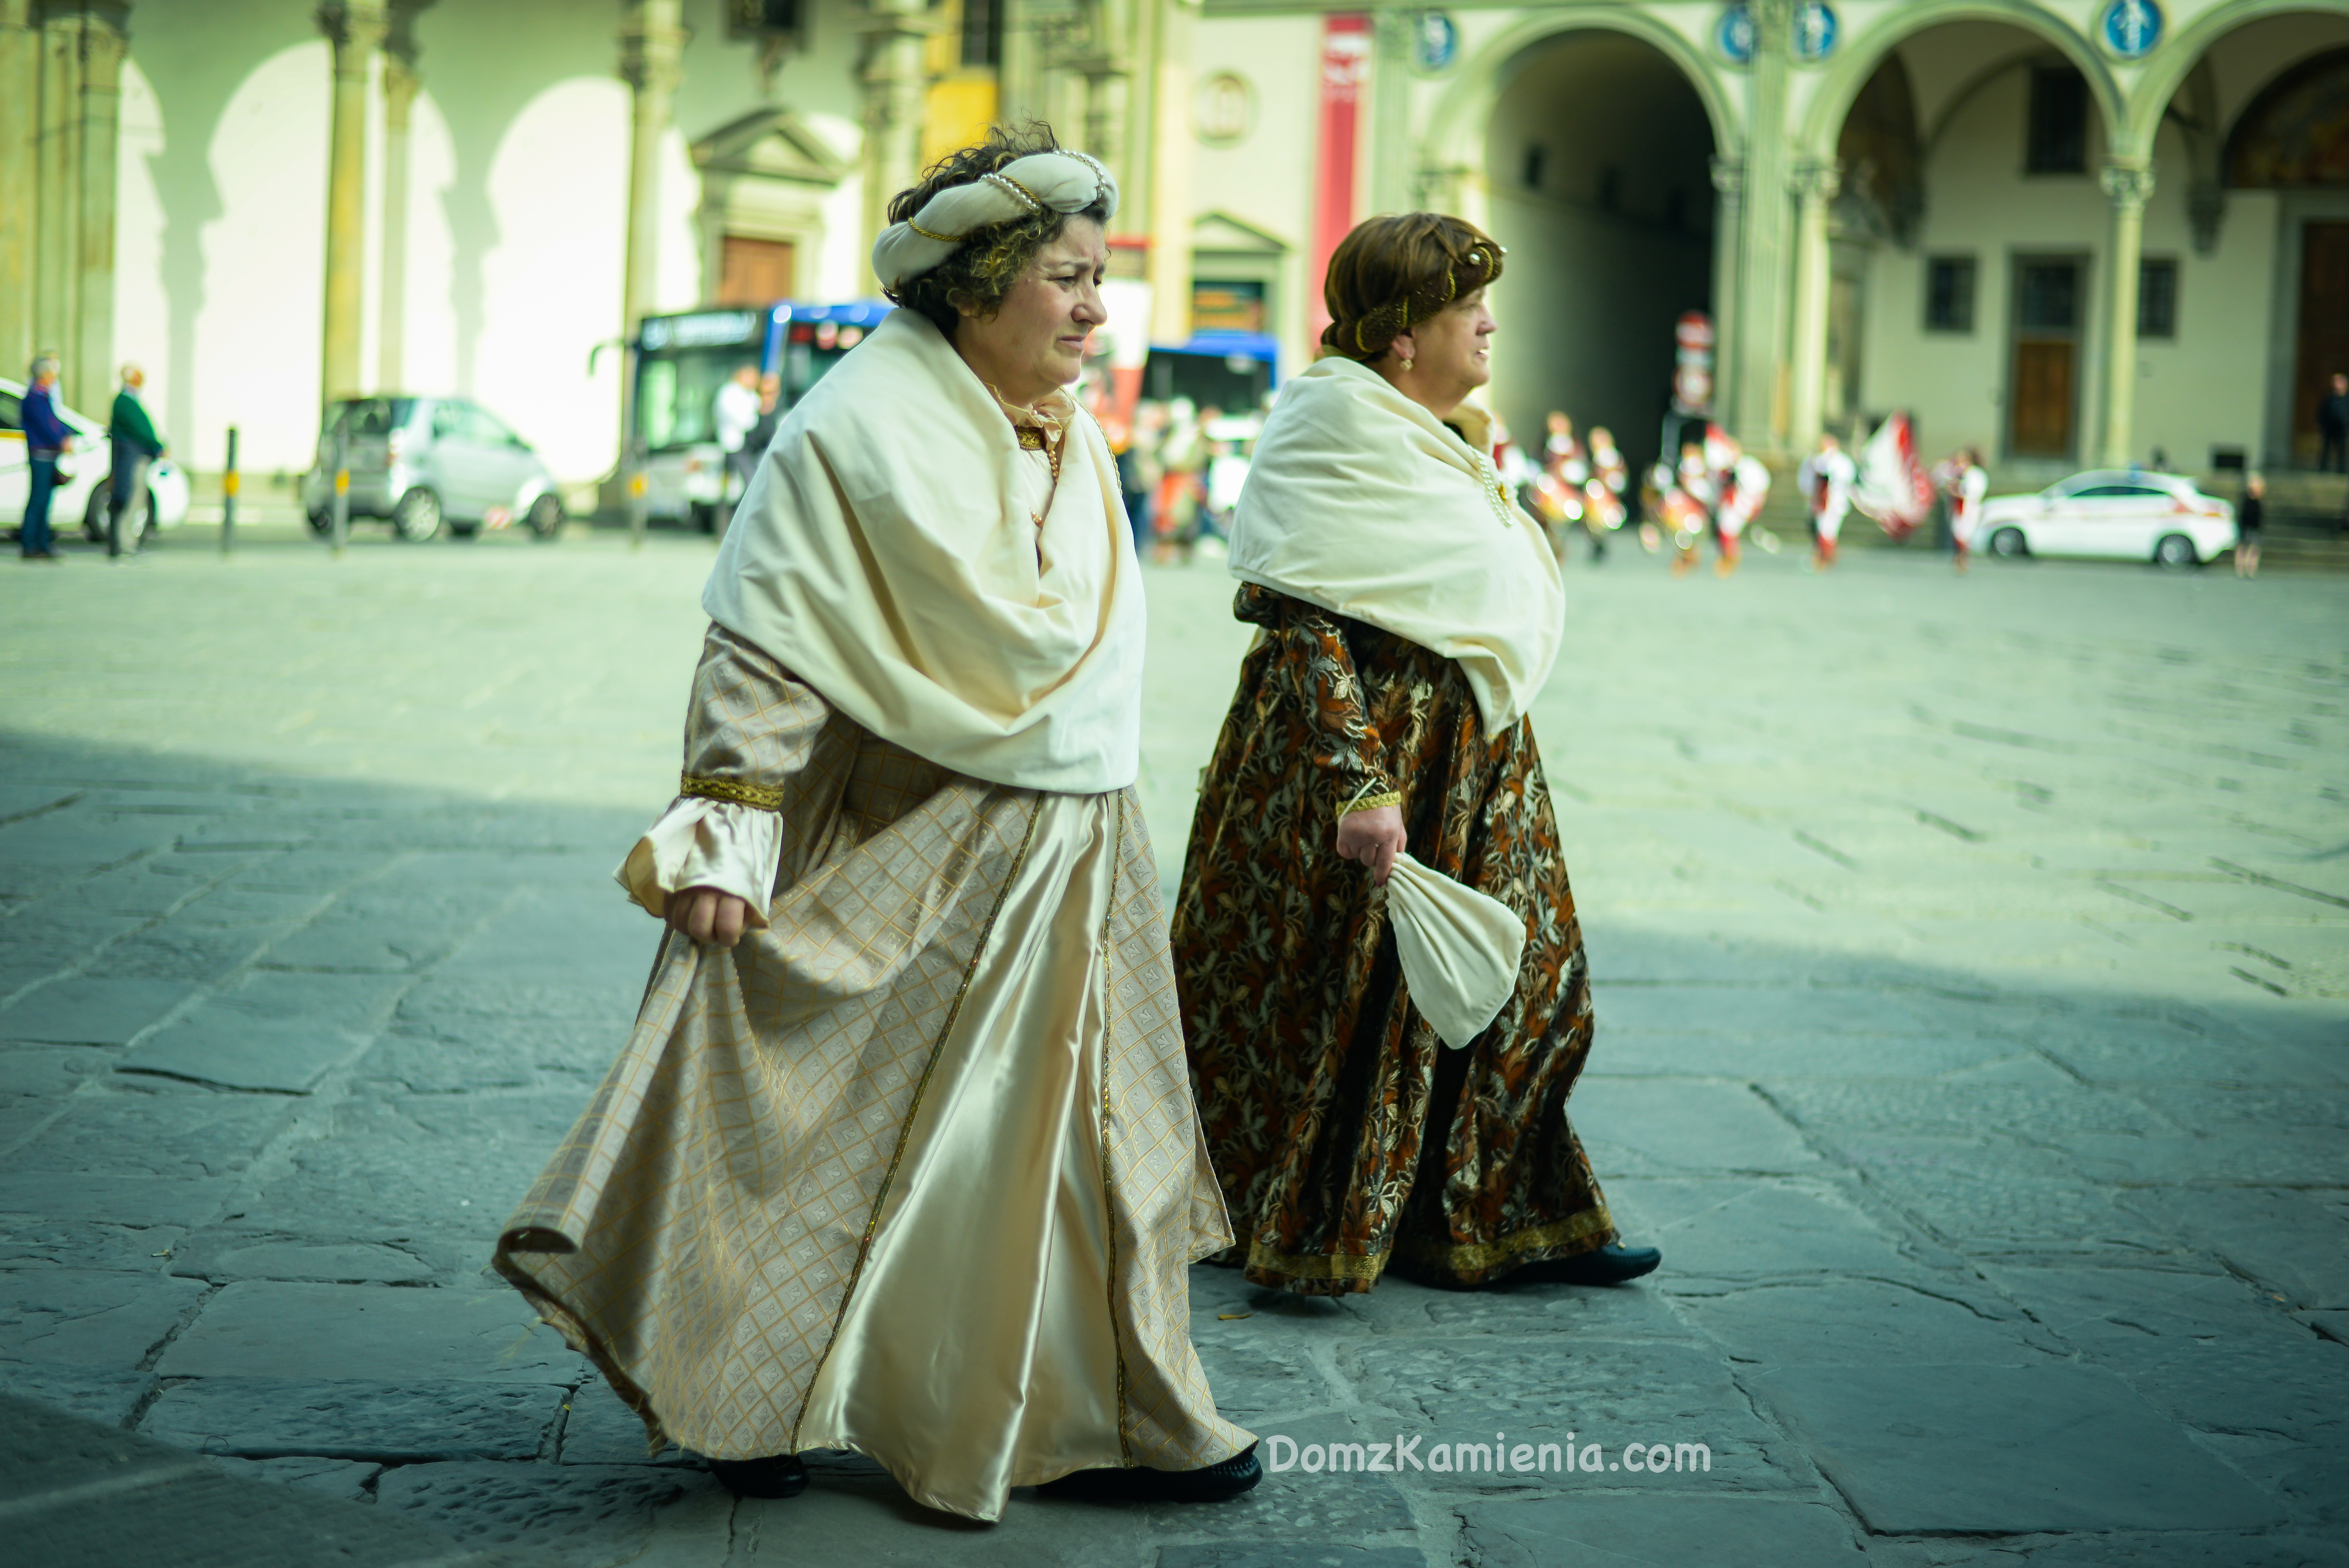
1973, 1037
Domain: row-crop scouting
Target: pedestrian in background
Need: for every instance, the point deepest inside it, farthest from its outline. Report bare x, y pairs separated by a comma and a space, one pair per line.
1825, 481
2332, 424
2249, 517
732, 417
47, 437
1967, 488
135, 445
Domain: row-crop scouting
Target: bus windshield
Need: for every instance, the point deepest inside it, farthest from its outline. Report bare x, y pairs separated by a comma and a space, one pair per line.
677, 393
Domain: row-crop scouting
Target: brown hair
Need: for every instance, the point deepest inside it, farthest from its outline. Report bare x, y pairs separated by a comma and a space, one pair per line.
991, 260
1392, 273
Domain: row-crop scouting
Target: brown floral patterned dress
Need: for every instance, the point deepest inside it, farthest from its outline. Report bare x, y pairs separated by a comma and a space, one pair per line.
1317, 1080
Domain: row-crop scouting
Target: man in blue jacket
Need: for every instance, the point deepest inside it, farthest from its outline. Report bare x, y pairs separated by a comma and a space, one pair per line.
46, 438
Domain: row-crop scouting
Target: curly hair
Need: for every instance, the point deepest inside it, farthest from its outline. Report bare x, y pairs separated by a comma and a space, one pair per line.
979, 275
1392, 272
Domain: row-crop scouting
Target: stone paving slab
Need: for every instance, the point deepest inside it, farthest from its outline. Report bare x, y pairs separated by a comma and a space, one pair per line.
1961, 1013
1936, 1449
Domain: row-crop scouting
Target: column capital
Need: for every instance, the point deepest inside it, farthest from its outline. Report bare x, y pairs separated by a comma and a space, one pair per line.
399, 37
1728, 175
356, 27
2128, 182
652, 45
1815, 178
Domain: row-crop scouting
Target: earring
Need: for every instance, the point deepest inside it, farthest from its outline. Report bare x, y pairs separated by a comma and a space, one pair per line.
1406, 365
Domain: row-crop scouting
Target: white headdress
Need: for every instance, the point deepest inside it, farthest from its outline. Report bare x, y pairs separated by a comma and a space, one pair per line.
1063, 181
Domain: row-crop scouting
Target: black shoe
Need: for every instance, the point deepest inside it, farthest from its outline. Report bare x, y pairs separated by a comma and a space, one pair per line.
781, 1475
1607, 1265
1214, 1483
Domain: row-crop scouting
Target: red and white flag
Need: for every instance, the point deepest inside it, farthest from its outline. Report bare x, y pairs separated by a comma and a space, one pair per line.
1892, 486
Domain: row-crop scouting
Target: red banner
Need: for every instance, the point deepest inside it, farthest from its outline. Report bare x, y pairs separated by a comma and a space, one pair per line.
1345, 66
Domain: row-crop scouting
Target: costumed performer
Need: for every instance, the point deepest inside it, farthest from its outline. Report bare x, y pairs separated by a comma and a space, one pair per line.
911, 1168
1406, 612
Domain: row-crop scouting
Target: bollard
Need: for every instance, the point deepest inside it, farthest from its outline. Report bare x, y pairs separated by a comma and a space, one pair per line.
637, 508
342, 493
228, 494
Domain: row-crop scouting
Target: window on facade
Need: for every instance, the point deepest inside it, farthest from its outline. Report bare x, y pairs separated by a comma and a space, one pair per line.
766, 16
1949, 293
982, 32
2157, 297
2057, 141
2047, 296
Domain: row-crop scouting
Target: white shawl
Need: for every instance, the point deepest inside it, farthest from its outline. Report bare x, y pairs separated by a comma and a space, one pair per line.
1361, 502
878, 556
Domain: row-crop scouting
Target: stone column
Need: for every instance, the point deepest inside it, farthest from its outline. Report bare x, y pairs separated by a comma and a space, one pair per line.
1761, 393
20, 97
895, 76
1170, 174
90, 365
401, 85
1390, 111
2128, 182
356, 29
57, 206
1728, 217
1816, 185
652, 47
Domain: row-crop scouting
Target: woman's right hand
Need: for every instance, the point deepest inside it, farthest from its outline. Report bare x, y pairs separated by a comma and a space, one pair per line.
709, 917
1374, 838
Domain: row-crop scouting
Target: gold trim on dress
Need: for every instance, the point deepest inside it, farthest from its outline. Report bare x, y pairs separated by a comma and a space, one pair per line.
1318, 1266
1476, 1257
760, 797
1109, 1187
1379, 801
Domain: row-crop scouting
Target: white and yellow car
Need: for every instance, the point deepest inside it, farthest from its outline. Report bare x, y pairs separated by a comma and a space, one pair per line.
2114, 514
84, 496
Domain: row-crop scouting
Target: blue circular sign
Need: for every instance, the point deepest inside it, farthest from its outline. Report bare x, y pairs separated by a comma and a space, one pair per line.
1815, 29
1734, 34
1434, 41
2130, 28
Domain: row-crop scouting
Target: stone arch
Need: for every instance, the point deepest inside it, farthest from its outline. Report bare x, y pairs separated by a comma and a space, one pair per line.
1455, 133
1847, 72
2257, 155
2176, 60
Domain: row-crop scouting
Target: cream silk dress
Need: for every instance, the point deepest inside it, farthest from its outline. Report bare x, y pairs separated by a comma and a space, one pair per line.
913, 1171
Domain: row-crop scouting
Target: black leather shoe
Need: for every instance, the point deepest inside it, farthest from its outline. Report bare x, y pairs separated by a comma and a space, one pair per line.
1607, 1265
780, 1475
1212, 1483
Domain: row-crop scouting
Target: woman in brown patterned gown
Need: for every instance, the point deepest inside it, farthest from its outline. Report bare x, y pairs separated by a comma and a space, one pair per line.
1406, 613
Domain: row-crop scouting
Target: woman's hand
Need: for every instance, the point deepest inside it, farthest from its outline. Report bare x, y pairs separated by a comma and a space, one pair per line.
1373, 838
712, 918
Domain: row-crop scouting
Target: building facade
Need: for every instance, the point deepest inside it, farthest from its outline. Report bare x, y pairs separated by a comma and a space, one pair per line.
2079, 233
2071, 232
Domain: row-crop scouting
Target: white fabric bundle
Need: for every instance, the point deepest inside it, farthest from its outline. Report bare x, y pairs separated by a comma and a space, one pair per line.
1359, 501
881, 557
1063, 181
1459, 950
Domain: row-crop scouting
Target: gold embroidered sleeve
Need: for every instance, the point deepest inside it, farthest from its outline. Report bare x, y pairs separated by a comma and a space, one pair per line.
764, 797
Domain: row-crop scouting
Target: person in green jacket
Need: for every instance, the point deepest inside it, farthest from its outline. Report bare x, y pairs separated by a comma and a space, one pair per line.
135, 445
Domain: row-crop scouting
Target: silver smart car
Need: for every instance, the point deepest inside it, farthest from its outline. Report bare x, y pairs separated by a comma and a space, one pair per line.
425, 463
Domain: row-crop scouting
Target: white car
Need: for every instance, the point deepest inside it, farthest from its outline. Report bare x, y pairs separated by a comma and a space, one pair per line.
85, 496
2118, 514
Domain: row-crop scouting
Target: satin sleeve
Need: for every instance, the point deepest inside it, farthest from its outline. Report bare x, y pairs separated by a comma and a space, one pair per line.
750, 729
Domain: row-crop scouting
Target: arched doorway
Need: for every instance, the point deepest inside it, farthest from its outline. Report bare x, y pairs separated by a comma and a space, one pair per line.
1598, 181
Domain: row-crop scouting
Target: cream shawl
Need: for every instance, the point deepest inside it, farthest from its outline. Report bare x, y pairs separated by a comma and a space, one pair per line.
1361, 502
878, 556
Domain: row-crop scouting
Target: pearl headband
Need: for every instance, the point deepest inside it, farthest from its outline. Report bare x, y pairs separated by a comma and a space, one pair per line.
1062, 181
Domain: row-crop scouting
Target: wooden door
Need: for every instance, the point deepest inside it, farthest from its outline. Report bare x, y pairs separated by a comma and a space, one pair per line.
2043, 387
2042, 399
757, 273
2323, 328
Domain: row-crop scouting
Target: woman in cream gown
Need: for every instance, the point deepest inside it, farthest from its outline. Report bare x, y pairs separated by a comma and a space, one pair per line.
901, 1156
